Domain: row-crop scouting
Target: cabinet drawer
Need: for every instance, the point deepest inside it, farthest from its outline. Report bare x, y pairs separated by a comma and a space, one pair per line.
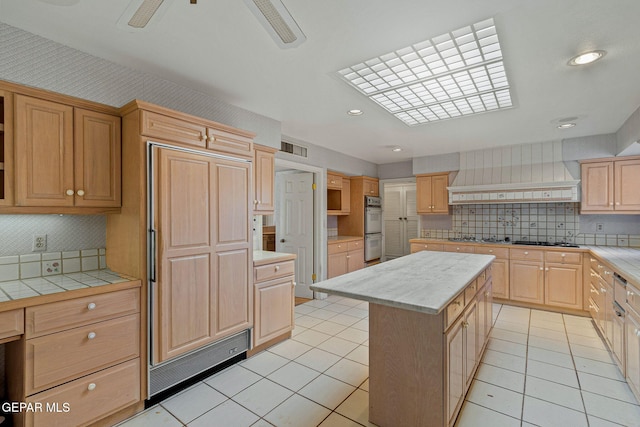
502, 253
334, 182
273, 271
11, 323
564, 257
417, 247
58, 316
90, 398
159, 126
57, 358
228, 142
355, 245
633, 298
336, 248
454, 309
459, 248
470, 292
526, 254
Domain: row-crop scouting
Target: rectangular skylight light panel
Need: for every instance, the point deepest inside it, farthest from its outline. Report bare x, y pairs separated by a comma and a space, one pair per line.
455, 74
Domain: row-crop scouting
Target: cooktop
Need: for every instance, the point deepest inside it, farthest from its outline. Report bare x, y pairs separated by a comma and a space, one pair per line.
558, 244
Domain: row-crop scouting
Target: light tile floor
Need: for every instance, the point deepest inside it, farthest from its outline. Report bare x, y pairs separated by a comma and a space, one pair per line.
540, 368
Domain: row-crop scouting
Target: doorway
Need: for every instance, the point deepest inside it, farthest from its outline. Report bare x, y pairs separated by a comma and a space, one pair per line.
298, 221
400, 218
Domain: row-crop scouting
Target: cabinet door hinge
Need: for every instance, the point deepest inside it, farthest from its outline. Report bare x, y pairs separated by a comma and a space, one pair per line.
314, 186
313, 276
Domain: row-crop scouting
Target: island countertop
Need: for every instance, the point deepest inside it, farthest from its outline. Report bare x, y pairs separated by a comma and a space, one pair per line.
424, 281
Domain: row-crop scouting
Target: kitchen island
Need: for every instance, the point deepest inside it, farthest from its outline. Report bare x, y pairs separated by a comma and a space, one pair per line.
429, 319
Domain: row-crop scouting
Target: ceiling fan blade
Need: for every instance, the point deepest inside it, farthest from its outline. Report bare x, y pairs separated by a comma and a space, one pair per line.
145, 12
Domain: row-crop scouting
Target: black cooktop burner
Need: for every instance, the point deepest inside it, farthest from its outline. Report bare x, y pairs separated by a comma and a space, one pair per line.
559, 244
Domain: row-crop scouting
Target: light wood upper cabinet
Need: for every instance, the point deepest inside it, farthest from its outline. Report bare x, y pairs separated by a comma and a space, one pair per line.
44, 153
97, 159
65, 156
371, 187
338, 194
610, 186
432, 195
6, 148
264, 176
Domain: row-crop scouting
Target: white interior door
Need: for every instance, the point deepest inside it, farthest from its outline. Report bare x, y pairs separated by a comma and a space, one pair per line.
294, 225
400, 219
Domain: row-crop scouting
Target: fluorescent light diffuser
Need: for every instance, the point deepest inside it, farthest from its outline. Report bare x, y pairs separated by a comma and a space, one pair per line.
456, 74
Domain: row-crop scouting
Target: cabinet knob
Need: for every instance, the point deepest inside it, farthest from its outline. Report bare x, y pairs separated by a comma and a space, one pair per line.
599, 266
255, 202
563, 255
91, 387
426, 246
277, 267
486, 294
607, 272
526, 253
282, 241
541, 268
91, 335
91, 306
617, 203
546, 269
591, 307
603, 290
490, 251
610, 203
638, 332
629, 293
457, 249
371, 191
69, 192
348, 256
457, 302
80, 193
593, 291
202, 137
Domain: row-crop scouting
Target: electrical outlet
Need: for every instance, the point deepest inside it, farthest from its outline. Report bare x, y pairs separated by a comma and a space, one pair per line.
39, 243
599, 226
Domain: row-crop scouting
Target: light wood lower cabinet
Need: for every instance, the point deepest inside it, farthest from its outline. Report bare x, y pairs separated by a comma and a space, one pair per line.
87, 361
465, 342
273, 301
344, 257
632, 335
527, 281
11, 325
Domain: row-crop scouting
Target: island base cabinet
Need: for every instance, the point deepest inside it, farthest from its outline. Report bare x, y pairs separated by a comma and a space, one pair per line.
632, 331
405, 390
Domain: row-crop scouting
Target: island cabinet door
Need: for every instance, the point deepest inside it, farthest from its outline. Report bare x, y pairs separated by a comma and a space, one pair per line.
455, 369
526, 281
471, 340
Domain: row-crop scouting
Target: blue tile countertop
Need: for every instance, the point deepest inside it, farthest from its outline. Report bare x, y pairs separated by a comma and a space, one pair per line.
26, 288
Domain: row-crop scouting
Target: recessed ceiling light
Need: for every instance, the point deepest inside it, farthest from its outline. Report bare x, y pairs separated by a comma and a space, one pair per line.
355, 112
396, 149
587, 57
452, 75
566, 125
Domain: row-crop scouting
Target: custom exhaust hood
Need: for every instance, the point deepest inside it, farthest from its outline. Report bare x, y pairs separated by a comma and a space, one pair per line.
530, 173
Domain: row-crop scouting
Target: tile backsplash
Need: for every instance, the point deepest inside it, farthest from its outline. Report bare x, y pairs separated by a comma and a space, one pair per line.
553, 222
18, 267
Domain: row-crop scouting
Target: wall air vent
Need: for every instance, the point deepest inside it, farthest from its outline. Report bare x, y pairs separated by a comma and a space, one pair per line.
296, 150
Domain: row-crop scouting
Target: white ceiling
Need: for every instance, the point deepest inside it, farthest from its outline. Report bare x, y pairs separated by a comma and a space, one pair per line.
218, 47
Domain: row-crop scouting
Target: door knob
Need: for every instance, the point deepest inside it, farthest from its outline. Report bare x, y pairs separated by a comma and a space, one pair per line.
281, 240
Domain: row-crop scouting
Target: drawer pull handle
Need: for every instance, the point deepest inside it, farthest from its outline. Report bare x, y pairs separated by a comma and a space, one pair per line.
607, 272
91, 387
541, 268
593, 291
465, 324
603, 290
457, 303
91, 306
91, 335
630, 293
599, 266
277, 267
563, 255
526, 253
490, 251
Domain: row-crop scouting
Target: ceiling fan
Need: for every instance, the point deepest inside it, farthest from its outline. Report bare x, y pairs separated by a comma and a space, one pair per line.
272, 14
